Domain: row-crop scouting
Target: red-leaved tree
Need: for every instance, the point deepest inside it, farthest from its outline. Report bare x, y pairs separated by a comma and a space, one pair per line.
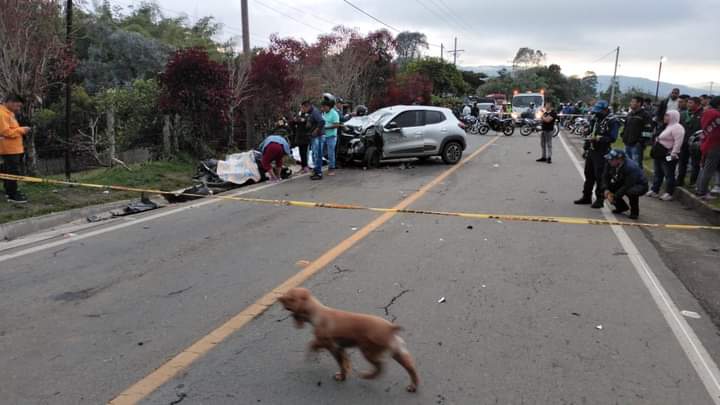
405, 89
273, 86
197, 89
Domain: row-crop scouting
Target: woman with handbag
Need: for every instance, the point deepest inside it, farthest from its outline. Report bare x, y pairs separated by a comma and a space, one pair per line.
666, 153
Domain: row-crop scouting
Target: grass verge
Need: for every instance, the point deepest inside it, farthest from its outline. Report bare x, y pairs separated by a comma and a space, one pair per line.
45, 199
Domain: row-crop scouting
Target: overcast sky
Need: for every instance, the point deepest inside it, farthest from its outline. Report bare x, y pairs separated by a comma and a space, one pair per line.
575, 34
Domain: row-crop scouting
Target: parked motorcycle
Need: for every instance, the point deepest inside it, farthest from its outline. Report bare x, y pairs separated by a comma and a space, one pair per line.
472, 124
528, 126
497, 124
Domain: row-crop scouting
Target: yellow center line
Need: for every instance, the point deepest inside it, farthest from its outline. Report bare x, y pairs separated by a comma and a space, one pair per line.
184, 359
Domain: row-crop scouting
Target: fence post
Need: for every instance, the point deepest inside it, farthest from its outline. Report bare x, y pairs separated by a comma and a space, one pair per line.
167, 152
110, 116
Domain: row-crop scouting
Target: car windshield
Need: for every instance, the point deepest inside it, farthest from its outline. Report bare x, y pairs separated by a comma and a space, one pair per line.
378, 115
524, 101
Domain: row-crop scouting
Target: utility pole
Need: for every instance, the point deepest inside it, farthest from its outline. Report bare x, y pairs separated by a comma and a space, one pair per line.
711, 87
245, 27
442, 52
614, 79
657, 89
455, 52
68, 89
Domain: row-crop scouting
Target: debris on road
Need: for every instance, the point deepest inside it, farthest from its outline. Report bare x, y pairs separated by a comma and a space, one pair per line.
483, 286
354, 228
302, 263
690, 314
469, 227
136, 207
599, 327
441, 300
496, 165
576, 314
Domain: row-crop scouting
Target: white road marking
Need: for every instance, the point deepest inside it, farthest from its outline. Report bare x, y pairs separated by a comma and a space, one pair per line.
697, 354
135, 221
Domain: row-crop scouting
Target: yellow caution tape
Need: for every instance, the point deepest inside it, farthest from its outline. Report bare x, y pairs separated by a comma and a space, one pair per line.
310, 204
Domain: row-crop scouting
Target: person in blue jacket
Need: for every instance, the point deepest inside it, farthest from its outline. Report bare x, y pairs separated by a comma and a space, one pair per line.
622, 178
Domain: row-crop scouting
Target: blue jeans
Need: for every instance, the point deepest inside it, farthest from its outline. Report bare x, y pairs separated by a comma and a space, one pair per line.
317, 154
634, 152
331, 146
664, 170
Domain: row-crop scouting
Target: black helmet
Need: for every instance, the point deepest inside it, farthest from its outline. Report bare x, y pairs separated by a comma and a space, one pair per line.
361, 110
328, 100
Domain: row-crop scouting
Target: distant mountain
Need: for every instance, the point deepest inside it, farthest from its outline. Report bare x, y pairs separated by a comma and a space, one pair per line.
626, 82
647, 85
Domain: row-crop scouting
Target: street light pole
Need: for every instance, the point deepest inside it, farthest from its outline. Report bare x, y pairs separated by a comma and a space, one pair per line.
657, 88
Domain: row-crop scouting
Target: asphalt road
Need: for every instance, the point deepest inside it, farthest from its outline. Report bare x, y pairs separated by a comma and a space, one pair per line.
535, 313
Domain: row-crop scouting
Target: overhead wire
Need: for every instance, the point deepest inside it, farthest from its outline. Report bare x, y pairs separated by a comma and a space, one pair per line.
371, 16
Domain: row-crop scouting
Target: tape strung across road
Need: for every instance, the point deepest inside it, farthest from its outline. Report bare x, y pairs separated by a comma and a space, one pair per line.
310, 204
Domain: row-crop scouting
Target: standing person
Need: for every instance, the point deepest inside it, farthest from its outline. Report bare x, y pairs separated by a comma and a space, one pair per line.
710, 147
332, 123
691, 122
623, 177
301, 137
475, 110
666, 153
705, 101
11, 145
638, 120
672, 103
549, 120
466, 110
274, 149
606, 131
316, 127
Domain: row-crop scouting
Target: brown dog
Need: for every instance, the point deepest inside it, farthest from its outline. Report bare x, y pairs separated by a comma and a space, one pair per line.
337, 330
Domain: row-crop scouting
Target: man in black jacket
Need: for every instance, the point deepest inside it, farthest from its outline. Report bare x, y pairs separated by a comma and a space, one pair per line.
638, 122
623, 177
671, 103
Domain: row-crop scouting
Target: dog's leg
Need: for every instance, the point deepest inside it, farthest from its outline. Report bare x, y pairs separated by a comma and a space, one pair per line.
373, 357
402, 356
343, 361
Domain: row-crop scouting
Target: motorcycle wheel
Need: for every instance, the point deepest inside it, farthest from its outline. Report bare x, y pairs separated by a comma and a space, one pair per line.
556, 131
525, 130
483, 130
474, 129
508, 130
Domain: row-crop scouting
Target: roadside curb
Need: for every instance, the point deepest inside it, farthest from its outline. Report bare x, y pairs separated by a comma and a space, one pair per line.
23, 227
690, 200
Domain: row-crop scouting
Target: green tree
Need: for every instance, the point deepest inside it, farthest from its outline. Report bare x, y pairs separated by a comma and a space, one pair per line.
409, 46
446, 78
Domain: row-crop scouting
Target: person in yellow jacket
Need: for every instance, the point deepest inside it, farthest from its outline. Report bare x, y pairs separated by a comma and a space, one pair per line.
11, 145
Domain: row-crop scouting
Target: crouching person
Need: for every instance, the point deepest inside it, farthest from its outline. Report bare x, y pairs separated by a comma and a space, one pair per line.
274, 149
623, 178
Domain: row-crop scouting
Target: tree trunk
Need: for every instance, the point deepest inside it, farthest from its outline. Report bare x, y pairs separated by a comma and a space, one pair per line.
110, 116
31, 158
177, 131
231, 138
167, 135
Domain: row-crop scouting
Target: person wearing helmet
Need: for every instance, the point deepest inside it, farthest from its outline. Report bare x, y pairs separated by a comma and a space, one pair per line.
361, 111
332, 123
606, 132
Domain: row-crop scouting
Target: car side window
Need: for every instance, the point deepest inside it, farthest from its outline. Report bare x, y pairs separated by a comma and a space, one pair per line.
408, 119
434, 117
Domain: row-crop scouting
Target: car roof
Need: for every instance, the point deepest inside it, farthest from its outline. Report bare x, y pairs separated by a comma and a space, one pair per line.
400, 108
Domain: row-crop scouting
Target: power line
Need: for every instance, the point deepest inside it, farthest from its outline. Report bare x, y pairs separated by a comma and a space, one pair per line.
289, 16
441, 4
604, 56
435, 13
313, 15
371, 16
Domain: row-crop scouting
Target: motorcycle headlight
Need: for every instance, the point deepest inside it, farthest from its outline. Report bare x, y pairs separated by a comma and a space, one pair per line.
515, 115
538, 115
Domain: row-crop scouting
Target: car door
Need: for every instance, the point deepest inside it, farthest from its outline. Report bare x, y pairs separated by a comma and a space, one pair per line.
436, 129
403, 135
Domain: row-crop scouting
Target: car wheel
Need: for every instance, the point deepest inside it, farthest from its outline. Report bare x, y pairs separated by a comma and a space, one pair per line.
452, 153
509, 130
525, 130
483, 130
372, 157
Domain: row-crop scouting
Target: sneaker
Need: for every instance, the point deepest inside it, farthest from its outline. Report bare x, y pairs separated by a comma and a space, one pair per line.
633, 216
666, 197
583, 201
17, 199
549, 160
619, 211
652, 194
598, 204
707, 197
541, 160
316, 177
